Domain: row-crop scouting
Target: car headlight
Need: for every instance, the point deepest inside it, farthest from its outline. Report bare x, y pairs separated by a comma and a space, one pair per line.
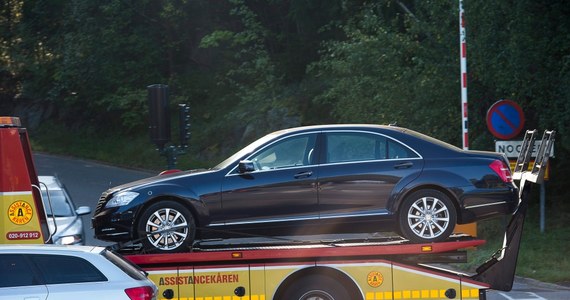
121, 198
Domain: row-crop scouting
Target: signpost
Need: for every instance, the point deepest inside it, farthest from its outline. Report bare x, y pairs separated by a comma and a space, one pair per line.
512, 148
505, 119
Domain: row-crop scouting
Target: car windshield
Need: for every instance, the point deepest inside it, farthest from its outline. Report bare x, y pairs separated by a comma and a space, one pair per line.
60, 207
245, 151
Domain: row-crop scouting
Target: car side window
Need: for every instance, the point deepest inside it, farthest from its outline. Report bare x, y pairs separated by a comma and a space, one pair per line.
359, 146
58, 269
15, 271
290, 152
397, 150
348, 146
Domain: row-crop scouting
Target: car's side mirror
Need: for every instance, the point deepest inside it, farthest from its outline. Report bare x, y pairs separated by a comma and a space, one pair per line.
246, 166
83, 210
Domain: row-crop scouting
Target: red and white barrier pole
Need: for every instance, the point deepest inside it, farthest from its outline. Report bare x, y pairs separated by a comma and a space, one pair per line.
463, 63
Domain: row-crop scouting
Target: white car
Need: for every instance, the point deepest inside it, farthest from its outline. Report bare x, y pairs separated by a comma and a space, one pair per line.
63, 218
54, 272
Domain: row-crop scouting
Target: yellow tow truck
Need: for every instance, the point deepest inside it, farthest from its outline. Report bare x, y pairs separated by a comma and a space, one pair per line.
384, 268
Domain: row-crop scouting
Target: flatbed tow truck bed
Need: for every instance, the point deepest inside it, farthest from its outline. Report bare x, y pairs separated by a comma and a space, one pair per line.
388, 268
395, 247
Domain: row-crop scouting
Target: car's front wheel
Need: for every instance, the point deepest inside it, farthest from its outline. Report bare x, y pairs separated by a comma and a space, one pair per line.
166, 226
427, 216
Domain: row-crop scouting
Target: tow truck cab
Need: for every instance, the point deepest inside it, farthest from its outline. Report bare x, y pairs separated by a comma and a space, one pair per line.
25, 219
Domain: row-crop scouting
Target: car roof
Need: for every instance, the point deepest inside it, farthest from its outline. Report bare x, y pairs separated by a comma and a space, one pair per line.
337, 126
49, 248
402, 131
52, 182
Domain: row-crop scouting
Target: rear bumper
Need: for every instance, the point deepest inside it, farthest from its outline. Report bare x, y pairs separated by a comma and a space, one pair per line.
478, 205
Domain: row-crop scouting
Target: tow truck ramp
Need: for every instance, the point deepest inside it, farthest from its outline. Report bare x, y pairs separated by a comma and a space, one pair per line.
499, 270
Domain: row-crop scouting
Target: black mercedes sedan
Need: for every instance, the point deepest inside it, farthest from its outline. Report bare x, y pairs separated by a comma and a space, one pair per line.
314, 179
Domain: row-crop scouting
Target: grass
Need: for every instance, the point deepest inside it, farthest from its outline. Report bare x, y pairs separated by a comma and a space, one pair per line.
542, 256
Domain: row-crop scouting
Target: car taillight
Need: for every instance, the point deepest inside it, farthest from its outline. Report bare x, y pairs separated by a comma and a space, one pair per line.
502, 169
140, 293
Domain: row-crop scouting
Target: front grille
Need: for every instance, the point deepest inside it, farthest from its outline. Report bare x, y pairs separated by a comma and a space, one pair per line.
101, 203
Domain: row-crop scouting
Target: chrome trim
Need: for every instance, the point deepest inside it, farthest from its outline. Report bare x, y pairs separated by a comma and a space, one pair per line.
483, 205
368, 161
271, 170
298, 219
420, 157
354, 215
116, 234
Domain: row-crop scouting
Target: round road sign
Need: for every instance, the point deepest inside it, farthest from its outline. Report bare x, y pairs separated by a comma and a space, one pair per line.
505, 119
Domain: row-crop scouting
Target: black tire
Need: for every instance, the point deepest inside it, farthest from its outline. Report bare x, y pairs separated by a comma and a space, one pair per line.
316, 287
160, 218
427, 216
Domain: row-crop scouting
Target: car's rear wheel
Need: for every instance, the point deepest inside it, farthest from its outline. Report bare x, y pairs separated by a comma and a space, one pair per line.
166, 226
427, 216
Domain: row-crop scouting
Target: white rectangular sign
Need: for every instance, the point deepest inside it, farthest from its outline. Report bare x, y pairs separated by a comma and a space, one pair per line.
513, 148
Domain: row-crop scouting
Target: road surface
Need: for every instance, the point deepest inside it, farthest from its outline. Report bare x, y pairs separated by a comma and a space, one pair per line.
86, 180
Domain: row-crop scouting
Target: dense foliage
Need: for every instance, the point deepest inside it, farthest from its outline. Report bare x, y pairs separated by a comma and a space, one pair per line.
249, 67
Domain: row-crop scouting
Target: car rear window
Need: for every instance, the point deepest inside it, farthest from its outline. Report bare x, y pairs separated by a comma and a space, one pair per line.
58, 269
126, 266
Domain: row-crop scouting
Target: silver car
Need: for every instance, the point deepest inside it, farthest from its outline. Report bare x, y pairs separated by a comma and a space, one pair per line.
55, 272
63, 218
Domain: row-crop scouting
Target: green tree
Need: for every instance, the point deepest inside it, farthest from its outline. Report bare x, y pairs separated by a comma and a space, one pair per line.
398, 64
518, 55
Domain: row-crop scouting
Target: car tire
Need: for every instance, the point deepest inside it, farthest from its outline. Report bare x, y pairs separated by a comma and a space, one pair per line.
316, 287
166, 227
427, 216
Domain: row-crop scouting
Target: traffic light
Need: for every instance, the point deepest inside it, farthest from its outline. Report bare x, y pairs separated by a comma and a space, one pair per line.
159, 114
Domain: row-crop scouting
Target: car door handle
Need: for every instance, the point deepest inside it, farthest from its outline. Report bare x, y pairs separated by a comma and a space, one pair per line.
405, 165
303, 174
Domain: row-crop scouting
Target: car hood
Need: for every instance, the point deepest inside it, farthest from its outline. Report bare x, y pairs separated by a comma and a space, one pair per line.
65, 226
158, 178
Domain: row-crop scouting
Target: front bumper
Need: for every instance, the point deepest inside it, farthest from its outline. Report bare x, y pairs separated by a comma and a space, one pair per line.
113, 225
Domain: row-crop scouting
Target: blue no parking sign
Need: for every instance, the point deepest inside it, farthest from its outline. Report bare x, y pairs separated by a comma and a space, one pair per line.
505, 119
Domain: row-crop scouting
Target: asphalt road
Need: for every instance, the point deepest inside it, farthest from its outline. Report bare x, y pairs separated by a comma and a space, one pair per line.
86, 180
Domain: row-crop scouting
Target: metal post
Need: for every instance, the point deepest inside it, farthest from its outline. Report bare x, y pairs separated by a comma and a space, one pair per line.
542, 207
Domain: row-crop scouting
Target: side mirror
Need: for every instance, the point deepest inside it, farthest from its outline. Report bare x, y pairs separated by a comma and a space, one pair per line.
246, 166
83, 210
